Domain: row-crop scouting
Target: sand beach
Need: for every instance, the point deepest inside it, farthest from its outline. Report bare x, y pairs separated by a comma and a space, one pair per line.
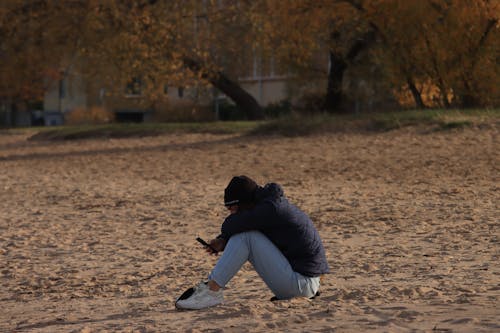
99, 235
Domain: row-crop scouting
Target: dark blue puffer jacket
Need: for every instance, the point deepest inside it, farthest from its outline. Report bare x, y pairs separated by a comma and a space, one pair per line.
290, 229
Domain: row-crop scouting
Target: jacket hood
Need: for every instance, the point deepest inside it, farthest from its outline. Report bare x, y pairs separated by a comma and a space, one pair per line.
269, 191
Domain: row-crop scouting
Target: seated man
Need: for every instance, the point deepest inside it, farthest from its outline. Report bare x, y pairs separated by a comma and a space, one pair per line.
278, 239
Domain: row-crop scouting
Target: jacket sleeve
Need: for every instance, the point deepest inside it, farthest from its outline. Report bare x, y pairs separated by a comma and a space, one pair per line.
258, 218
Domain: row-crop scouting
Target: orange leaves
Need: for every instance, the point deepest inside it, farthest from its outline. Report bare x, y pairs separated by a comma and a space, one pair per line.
442, 43
450, 43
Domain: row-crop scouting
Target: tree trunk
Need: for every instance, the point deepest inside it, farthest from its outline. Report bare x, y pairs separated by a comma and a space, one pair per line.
467, 98
338, 66
417, 96
444, 93
334, 95
243, 100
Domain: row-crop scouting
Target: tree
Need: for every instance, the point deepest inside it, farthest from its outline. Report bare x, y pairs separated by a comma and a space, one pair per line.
450, 45
179, 42
297, 31
183, 43
468, 37
28, 59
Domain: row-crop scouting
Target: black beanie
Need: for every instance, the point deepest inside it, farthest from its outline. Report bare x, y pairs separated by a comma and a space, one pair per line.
241, 189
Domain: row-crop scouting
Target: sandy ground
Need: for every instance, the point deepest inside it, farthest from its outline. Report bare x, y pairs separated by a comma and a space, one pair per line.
99, 236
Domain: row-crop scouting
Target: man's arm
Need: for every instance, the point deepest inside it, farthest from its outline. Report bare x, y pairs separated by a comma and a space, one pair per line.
258, 218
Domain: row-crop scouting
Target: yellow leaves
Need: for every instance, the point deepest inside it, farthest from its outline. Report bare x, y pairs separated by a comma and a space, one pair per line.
445, 39
427, 38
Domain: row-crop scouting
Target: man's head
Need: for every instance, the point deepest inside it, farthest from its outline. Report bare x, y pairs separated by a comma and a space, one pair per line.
240, 191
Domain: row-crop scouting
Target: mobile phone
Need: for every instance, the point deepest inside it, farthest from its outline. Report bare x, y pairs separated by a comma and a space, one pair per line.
205, 244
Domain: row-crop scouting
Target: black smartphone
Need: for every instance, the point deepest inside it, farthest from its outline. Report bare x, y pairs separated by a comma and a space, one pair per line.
206, 244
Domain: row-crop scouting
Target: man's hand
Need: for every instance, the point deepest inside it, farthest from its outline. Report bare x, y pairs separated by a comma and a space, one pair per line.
217, 244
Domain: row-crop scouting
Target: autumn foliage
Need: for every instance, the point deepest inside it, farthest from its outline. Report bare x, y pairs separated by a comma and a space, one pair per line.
448, 49
439, 53
427, 53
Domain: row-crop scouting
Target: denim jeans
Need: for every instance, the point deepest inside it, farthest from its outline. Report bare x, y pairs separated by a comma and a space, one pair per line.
268, 261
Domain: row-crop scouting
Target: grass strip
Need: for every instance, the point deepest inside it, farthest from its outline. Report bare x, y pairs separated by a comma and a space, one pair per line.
291, 125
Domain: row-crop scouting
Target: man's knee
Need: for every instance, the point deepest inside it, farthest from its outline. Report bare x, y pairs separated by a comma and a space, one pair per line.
248, 235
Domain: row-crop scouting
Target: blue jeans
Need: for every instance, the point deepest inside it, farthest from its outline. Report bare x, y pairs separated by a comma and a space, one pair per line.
268, 261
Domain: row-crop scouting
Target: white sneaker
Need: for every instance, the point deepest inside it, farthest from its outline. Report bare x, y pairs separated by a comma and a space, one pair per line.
199, 297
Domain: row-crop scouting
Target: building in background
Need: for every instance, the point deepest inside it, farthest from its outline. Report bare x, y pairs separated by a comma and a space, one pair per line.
131, 103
